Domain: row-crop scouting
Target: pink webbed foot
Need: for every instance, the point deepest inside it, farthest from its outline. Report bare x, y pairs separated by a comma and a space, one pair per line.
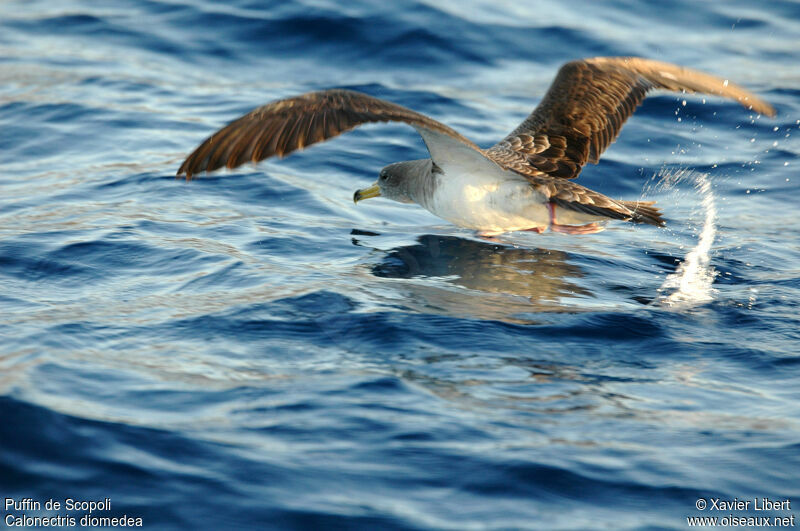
537, 230
589, 228
488, 233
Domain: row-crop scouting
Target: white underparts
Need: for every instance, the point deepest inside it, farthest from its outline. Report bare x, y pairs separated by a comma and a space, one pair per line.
494, 202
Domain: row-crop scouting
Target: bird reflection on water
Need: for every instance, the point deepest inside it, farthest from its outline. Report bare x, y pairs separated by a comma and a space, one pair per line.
482, 279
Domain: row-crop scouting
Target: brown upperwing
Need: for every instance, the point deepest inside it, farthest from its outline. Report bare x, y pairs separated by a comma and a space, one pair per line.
586, 106
283, 126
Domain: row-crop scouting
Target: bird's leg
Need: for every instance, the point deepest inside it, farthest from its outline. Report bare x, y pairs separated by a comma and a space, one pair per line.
589, 228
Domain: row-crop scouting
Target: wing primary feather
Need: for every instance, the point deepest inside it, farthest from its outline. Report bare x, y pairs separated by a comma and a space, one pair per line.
238, 152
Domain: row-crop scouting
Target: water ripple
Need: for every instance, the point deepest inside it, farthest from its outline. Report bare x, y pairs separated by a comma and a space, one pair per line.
250, 349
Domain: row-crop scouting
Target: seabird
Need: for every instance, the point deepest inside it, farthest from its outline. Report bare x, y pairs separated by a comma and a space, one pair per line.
521, 183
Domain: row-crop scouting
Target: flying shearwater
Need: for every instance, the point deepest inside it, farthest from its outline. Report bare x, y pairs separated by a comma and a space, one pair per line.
521, 183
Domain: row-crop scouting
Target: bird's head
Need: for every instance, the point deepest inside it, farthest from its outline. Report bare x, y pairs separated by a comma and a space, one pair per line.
396, 181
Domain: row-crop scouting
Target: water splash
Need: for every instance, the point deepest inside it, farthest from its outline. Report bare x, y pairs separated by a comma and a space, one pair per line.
692, 283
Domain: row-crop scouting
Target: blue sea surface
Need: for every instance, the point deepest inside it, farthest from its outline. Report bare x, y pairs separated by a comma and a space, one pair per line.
251, 350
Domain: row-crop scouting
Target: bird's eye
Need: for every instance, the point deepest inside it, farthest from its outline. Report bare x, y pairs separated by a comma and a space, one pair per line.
383, 176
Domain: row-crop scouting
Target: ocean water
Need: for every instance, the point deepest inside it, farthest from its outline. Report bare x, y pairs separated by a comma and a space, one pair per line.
251, 350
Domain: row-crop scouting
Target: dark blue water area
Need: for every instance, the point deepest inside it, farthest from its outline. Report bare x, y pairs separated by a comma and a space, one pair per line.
251, 350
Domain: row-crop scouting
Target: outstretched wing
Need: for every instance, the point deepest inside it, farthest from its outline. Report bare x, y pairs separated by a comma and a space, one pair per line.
283, 126
586, 106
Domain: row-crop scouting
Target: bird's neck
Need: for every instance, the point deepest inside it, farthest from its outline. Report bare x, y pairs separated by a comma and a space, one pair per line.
425, 182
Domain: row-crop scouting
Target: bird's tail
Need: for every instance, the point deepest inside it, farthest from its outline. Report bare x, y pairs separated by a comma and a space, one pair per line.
644, 212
